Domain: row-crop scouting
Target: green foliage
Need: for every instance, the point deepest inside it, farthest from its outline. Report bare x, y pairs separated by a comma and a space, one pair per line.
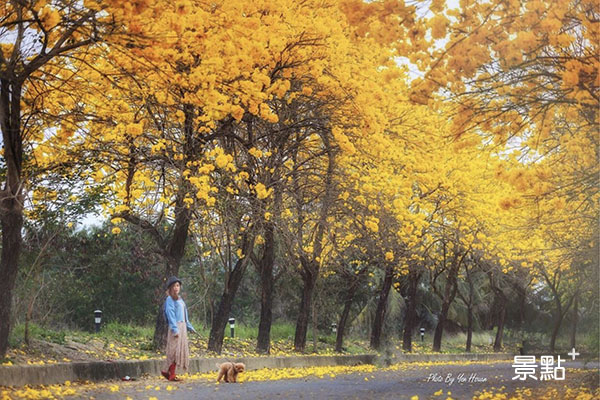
115, 278
87, 270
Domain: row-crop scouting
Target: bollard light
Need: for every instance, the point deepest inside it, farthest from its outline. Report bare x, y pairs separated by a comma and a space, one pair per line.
97, 319
422, 330
333, 327
232, 325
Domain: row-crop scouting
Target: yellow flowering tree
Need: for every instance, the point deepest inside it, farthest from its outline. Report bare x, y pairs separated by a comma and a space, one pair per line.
42, 45
524, 77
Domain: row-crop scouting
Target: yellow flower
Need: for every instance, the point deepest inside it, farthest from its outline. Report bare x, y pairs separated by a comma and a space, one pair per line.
255, 152
439, 25
134, 129
237, 112
262, 192
372, 224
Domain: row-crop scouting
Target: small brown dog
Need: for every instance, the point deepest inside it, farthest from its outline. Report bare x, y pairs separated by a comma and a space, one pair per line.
230, 371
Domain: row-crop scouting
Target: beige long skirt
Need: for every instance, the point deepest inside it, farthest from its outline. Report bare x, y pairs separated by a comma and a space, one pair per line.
178, 350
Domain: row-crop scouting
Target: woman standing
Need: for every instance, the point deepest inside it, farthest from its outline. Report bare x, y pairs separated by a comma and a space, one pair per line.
178, 352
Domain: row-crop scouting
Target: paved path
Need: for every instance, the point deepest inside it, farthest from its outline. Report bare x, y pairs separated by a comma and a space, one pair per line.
462, 382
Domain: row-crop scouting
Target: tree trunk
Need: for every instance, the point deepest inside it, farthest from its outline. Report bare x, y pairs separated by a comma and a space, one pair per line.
11, 202
560, 314
575, 321
561, 310
217, 329
439, 328
469, 328
309, 278
263, 342
314, 326
381, 308
556, 328
411, 311
12, 222
267, 281
468, 300
500, 325
310, 262
522, 296
499, 307
339, 339
447, 299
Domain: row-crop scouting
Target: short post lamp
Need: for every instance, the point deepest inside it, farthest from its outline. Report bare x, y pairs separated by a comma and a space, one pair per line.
333, 327
422, 330
232, 325
97, 319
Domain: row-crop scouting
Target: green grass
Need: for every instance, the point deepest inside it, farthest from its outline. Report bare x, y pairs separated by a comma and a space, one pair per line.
114, 330
483, 342
242, 331
587, 343
480, 341
139, 338
17, 334
284, 331
279, 331
592, 342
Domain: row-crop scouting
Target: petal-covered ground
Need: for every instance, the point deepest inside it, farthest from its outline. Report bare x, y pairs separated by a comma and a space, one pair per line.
401, 381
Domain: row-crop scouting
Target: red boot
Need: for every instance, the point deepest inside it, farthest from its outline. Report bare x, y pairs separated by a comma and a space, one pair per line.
165, 374
172, 376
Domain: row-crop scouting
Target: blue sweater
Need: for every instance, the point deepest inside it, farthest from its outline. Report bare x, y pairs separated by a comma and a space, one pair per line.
176, 311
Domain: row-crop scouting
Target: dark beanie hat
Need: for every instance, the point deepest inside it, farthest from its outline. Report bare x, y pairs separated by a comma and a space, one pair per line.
172, 280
